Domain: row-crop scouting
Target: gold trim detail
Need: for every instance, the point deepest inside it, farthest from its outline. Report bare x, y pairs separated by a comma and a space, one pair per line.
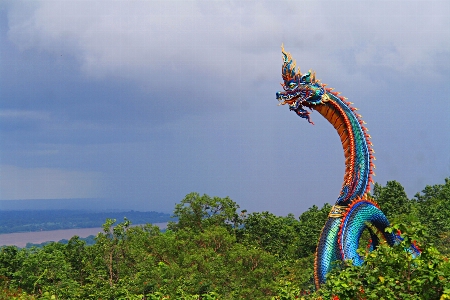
337, 211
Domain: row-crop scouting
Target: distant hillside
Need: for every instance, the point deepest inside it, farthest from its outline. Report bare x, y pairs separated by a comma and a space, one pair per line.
91, 204
90, 240
42, 220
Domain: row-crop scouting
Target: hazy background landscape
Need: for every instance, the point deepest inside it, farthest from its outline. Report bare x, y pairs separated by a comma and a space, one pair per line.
23, 227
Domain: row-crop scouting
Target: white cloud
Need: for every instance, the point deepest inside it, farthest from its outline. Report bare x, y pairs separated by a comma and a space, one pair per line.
131, 37
44, 183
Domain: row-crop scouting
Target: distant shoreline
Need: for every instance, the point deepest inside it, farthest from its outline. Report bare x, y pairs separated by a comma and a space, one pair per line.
16, 221
20, 239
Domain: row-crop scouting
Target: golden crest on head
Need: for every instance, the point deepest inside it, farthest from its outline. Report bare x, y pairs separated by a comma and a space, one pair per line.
288, 70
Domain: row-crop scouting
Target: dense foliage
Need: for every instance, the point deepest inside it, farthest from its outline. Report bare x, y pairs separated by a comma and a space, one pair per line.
38, 220
215, 251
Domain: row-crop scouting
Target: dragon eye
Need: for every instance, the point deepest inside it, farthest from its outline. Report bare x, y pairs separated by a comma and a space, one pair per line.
292, 85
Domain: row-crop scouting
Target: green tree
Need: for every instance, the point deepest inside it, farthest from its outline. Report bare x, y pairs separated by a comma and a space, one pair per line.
392, 199
274, 234
75, 255
198, 212
434, 212
45, 270
309, 228
10, 261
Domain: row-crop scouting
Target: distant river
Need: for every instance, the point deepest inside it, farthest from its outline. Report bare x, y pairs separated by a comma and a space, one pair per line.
22, 238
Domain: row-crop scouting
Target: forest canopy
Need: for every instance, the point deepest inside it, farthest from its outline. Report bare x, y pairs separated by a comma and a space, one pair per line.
218, 251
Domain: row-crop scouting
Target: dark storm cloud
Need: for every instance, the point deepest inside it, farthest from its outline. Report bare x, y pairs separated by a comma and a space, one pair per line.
154, 99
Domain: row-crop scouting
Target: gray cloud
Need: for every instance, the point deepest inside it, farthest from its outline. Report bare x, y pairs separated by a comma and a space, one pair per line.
162, 98
132, 37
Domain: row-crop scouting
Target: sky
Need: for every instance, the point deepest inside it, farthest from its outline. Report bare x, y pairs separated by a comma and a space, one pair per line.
139, 103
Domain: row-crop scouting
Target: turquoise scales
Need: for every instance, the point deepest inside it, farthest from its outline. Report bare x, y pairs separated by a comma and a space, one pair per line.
353, 212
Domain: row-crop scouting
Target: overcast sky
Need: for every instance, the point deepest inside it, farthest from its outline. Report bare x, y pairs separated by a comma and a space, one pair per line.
143, 102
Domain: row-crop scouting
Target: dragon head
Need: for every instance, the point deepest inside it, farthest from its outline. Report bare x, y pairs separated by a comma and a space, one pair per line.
299, 89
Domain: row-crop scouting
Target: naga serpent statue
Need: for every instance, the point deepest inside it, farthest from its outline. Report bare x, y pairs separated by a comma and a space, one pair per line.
354, 211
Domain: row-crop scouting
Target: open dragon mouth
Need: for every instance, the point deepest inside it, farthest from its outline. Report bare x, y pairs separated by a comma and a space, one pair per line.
288, 97
296, 101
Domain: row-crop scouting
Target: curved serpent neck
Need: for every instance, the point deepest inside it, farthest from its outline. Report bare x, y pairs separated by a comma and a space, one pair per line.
355, 143
305, 91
